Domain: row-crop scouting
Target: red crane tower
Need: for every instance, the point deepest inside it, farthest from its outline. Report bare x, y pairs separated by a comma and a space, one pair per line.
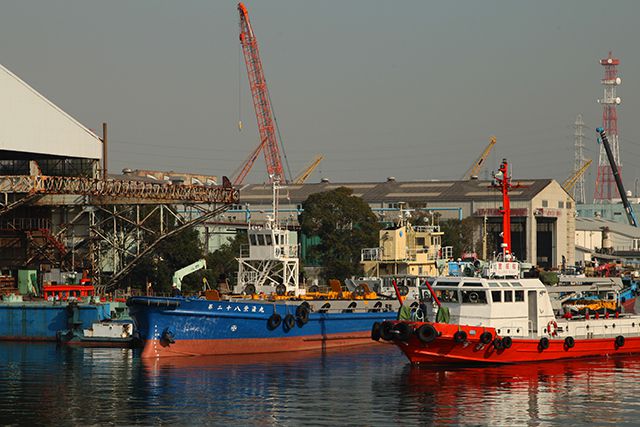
605, 183
261, 103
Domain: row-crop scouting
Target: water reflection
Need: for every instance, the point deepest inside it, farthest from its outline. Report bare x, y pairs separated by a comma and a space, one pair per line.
366, 386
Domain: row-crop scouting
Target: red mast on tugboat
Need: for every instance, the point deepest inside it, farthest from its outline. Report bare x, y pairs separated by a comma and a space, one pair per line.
502, 180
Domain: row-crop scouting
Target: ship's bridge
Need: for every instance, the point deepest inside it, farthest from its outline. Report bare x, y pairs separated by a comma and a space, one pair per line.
271, 243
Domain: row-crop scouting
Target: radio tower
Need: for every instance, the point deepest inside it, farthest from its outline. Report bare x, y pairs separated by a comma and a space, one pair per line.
578, 190
606, 189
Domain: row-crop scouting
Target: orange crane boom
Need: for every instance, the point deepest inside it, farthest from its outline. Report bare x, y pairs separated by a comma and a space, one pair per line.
570, 182
477, 165
261, 105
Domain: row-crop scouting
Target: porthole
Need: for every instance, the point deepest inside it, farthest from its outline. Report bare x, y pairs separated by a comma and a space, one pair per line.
508, 331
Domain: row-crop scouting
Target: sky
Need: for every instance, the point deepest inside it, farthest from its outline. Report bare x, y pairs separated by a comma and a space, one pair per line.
410, 89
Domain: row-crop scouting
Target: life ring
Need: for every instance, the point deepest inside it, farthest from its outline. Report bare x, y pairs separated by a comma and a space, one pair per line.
402, 331
460, 337
274, 321
486, 337
277, 251
427, 333
281, 290
552, 328
543, 344
302, 314
360, 290
375, 331
619, 341
403, 290
569, 342
289, 322
473, 297
507, 342
385, 331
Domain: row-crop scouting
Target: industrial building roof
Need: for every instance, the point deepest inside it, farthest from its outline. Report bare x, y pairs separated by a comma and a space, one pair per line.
596, 224
30, 123
398, 191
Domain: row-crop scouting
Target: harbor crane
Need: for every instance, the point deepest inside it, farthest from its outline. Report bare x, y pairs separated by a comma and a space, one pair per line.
570, 182
262, 106
616, 175
477, 165
302, 177
191, 268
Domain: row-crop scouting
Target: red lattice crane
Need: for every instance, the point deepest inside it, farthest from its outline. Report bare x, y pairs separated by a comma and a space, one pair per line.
262, 105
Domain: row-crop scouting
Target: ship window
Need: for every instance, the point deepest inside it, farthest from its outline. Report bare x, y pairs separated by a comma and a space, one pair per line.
252, 237
508, 296
420, 241
519, 296
472, 284
505, 284
446, 284
496, 296
516, 284
494, 285
268, 239
474, 297
260, 239
447, 295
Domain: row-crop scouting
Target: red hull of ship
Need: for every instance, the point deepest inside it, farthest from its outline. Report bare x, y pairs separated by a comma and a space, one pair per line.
444, 350
157, 348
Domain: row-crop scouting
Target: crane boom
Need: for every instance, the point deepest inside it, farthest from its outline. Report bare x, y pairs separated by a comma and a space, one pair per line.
261, 103
191, 268
570, 182
477, 165
616, 175
302, 177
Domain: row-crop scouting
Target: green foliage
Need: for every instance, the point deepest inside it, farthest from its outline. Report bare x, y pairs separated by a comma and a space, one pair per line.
222, 263
459, 235
345, 224
170, 255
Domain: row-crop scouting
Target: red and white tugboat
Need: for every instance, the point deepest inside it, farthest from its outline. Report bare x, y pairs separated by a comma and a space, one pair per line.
502, 318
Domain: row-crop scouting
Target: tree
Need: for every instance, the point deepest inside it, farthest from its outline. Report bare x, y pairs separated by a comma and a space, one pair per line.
345, 224
222, 263
459, 235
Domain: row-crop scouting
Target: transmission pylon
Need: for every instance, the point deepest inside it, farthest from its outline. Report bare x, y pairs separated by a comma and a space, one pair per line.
579, 190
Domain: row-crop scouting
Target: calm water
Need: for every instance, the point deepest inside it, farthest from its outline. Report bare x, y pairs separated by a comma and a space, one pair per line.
44, 384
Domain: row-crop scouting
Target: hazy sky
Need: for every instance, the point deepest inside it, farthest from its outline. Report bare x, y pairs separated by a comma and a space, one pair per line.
411, 89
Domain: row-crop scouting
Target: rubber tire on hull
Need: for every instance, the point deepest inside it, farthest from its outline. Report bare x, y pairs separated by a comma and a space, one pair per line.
375, 331
289, 322
507, 342
569, 342
460, 337
402, 331
302, 314
486, 337
385, 331
619, 341
544, 343
274, 321
427, 333
497, 344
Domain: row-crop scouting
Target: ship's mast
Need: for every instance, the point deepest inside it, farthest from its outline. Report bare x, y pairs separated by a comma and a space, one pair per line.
502, 180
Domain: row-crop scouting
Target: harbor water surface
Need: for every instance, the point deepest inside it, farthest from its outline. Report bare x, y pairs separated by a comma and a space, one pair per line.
373, 385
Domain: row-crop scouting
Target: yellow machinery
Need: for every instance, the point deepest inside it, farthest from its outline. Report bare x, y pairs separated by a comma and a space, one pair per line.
570, 182
477, 165
300, 179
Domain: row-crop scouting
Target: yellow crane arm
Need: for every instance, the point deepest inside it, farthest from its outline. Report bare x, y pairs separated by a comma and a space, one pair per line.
477, 165
570, 182
302, 177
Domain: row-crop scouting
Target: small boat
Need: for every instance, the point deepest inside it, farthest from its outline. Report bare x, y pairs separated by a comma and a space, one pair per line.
105, 333
505, 320
269, 311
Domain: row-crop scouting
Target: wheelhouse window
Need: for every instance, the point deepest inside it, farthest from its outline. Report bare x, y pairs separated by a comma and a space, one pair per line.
268, 239
508, 296
447, 295
474, 297
496, 296
260, 239
252, 238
